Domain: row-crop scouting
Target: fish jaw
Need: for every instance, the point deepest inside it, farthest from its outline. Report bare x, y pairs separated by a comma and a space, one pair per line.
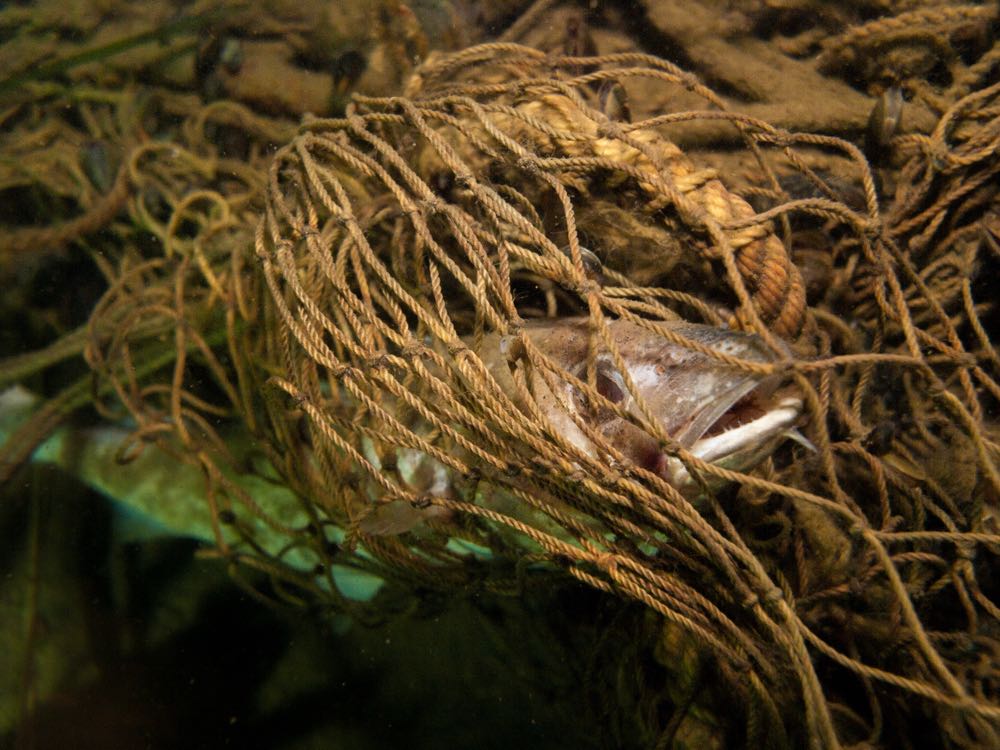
740, 448
723, 415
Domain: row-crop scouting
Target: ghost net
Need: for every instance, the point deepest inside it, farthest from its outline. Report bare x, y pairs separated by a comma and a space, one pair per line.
402, 240
376, 347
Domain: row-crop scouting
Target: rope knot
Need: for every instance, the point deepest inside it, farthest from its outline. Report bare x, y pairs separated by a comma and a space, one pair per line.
526, 164
432, 205
342, 372
610, 130
414, 350
379, 362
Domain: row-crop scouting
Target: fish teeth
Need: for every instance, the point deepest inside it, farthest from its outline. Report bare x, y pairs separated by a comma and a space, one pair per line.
777, 421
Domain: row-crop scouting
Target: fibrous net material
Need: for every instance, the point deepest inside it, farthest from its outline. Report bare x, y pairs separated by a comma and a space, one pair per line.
830, 589
397, 239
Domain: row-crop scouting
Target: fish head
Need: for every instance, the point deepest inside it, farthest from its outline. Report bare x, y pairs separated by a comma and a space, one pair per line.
722, 414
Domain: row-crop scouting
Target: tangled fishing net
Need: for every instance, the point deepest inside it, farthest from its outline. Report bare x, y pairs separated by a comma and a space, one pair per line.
374, 343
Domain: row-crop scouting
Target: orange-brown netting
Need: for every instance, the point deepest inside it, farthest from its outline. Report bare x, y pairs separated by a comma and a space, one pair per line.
408, 247
435, 341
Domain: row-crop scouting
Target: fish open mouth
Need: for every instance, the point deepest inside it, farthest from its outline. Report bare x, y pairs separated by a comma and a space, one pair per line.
740, 431
751, 420
722, 414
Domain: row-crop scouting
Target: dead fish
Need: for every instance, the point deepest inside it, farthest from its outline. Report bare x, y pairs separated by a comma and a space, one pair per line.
721, 414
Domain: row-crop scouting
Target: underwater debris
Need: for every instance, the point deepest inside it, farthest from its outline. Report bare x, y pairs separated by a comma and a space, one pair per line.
834, 595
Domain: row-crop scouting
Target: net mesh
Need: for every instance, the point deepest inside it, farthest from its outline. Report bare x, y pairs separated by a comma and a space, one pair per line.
396, 239
404, 248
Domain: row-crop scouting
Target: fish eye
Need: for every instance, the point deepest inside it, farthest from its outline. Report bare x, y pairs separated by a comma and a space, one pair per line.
611, 385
